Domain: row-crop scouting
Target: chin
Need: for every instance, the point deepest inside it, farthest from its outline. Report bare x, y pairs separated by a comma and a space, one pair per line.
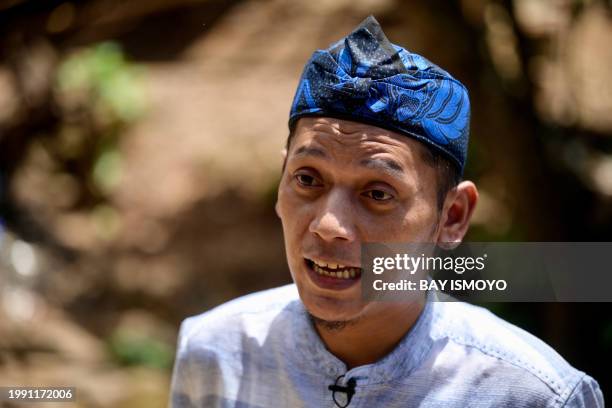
331, 309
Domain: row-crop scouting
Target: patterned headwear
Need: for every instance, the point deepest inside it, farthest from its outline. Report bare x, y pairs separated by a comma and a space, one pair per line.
365, 78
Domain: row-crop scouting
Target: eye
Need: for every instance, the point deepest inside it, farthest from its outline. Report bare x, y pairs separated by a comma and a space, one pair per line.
378, 195
307, 180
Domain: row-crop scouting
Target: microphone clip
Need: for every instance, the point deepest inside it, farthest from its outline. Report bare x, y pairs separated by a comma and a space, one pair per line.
349, 390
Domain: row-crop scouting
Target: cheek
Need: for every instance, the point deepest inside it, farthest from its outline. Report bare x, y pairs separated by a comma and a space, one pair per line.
293, 212
408, 223
421, 221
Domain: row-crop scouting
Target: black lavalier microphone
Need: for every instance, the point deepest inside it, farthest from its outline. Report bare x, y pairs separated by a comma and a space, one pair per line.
349, 390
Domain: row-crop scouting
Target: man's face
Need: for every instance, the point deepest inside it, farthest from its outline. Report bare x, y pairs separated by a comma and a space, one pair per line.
344, 184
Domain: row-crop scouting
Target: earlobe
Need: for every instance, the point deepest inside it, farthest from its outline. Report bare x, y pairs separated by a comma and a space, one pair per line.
457, 213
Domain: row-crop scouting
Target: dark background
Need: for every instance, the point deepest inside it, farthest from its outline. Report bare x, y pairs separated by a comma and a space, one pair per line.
140, 153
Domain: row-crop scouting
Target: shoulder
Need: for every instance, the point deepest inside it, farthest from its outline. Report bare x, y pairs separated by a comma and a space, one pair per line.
249, 315
213, 346
512, 350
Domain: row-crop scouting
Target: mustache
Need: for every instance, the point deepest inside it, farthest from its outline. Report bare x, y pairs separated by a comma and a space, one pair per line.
349, 254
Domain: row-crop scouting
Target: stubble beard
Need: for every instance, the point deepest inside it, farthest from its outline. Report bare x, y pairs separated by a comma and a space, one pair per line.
332, 325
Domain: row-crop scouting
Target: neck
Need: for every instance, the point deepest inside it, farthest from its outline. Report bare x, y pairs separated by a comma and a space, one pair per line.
372, 336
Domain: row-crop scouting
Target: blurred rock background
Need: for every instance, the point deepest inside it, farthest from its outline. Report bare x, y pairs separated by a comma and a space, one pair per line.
140, 152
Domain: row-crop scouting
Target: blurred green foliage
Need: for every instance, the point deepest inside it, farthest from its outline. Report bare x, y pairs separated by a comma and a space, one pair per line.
133, 349
107, 168
114, 83
102, 93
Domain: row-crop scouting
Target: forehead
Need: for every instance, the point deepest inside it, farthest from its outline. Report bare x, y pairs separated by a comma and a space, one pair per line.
343, 139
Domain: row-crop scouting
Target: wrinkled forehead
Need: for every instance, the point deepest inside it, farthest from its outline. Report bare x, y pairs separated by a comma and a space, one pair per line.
347, 137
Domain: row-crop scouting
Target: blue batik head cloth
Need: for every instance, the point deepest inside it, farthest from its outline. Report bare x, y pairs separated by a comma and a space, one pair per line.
366, 78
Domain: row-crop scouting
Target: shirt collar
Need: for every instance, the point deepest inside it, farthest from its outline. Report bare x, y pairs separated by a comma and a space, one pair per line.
404, 358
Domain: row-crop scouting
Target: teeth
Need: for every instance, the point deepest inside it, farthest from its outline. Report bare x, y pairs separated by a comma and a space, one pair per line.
341, 272
329, 265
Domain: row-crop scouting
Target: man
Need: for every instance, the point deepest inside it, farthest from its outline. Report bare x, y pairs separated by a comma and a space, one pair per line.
377, 146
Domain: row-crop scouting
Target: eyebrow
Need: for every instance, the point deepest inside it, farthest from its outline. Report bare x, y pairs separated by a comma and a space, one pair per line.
385, 165
310, 151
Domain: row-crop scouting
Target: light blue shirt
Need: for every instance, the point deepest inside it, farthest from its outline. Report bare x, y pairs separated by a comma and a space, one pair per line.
262, 350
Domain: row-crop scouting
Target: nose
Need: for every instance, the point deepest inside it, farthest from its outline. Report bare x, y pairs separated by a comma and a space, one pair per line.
335, 218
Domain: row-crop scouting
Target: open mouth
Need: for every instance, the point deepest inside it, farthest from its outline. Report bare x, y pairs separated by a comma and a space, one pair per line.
333, 270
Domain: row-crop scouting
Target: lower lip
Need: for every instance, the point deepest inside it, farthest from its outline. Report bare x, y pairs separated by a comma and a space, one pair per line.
327, 282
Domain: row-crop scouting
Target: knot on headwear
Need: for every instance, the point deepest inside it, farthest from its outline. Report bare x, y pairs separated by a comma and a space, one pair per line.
361, 86
366, 78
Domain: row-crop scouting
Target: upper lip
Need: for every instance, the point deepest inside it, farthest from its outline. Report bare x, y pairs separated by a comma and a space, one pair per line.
343, 264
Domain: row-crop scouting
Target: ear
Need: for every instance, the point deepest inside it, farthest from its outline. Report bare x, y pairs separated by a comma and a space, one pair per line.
457, 212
